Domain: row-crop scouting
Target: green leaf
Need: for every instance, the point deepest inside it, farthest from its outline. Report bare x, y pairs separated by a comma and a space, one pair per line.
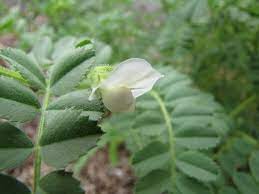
10, 185
15, 146
197, 165
63, 46
42, 50
150, 123
12, 74
235, 155
254, 165
245, 183
17, 103
71, 80
103, 53
68, 62
68, 135
156, 182
83, 43
78, 100
196, 137
25, 66
8, 20
228, 190
187, 185
60, 182
152, 157
197, 11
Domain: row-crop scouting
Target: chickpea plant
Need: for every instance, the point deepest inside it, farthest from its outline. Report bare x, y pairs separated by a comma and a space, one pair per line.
170, 129
68, 117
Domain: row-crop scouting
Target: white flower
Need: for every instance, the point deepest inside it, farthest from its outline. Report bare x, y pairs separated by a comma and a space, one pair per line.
129, 80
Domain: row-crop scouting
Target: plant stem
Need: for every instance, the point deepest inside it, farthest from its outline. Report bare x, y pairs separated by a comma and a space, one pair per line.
242, 106
113, 152
230, 140
169, 129
248, 138
37, 161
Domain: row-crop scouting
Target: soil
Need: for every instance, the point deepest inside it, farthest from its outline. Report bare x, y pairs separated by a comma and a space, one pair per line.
7, 40
99, 176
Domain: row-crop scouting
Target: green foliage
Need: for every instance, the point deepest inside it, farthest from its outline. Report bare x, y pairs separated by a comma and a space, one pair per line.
77, 101
169, 142
13, 153
221, 53
228, 190
13, 74
254, 164
156, 182
197, 165
12, 186
68, 123
25, 65
71, 138
60, 182
71, 66
237, 158
41, 51
245, 183
7, 22
17, 102
69, 62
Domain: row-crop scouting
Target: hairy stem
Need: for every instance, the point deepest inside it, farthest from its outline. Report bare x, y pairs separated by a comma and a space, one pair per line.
169, 129
37, 162
242, 106
231, 139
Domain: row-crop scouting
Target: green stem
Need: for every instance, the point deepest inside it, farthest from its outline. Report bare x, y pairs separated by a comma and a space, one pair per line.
242, 106
37, 162
113, 152
248, 138
169, 129
230, 140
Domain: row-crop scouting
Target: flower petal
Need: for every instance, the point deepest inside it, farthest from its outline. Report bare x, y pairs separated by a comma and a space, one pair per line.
119, 99
136, 74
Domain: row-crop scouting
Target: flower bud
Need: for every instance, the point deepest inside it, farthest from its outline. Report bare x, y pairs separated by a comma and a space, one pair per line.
118, 99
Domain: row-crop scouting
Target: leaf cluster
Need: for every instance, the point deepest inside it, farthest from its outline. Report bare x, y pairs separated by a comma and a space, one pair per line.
42, 85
